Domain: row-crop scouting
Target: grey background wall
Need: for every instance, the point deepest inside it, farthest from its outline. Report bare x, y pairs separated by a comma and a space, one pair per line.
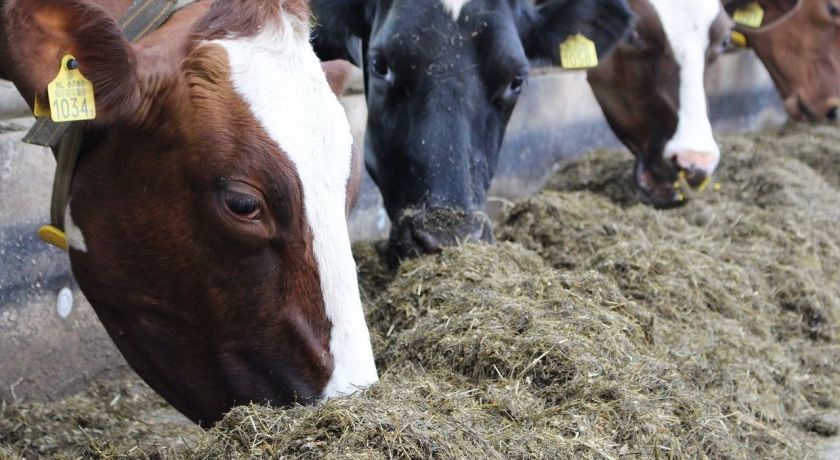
43, 355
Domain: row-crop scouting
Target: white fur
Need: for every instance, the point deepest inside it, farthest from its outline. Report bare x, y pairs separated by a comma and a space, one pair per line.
279, 76
454, 7
687, 24
74, 236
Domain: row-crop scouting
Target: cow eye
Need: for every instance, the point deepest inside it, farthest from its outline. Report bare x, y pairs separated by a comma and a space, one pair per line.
509, 93
833, 10
516, 84
379, 68
244, 205
724, 46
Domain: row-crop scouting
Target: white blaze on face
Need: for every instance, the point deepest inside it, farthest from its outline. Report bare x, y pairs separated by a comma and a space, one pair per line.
279, 76
454, 7
687, 24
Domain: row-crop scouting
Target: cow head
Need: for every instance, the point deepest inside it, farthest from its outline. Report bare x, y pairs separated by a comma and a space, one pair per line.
442, 78
652, 91
207, 215
799, 42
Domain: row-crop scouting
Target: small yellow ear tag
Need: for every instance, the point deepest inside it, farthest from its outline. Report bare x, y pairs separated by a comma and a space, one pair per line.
578, 52
738, 39
53, 236
40, 110
751, 15
71, 94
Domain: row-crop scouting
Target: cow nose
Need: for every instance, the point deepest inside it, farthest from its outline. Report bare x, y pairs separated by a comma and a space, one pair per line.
428, 243
432, 240
430, 231
699, 161
832, 114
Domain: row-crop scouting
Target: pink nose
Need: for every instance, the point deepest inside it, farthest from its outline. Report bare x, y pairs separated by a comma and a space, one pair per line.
692, 160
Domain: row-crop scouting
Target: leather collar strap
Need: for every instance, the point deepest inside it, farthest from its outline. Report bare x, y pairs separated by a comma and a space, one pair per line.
65, 139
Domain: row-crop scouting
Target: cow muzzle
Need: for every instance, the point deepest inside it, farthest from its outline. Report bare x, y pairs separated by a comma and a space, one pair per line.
673, 183
430, 230
697, 165
825, 110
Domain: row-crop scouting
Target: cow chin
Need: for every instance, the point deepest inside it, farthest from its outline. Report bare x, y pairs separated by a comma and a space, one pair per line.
417, 233
659, 183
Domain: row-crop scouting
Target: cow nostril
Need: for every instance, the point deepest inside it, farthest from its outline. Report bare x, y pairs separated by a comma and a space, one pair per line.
832, 114
427, 242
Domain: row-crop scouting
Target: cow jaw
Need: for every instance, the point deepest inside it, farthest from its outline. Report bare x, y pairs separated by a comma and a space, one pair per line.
278, 75
687, 25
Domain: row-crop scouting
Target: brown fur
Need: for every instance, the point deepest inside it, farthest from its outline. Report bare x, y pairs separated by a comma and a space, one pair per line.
637, 87
210, 309
41, 32
800, 46
245, 18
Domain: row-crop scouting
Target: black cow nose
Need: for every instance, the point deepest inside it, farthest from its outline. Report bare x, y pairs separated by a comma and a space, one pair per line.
430, 231
428, 243
832, 114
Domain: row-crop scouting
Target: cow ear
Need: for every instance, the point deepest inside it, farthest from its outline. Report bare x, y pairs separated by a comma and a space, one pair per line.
769, 11
340, 28
337, 73
605, 22
41, 32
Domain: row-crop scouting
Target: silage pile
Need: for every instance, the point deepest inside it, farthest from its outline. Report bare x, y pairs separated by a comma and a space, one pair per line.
599, 328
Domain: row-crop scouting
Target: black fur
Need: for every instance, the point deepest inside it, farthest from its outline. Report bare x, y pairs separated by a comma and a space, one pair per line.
437, 121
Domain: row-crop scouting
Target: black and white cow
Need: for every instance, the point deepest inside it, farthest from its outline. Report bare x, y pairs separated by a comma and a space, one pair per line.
442, 78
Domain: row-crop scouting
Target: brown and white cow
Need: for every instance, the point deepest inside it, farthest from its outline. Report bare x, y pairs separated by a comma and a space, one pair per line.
207, 216
651, 89
799, 43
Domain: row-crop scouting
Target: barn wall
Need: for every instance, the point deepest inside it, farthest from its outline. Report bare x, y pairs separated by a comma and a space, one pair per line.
43, 355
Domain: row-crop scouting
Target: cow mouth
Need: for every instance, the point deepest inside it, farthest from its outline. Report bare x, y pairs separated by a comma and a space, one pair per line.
669, 186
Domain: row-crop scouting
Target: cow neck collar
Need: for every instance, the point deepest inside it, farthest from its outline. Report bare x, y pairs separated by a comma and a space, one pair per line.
65, 139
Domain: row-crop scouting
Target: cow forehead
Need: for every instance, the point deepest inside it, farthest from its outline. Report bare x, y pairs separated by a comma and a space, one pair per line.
687, 22
412, 33
282, 82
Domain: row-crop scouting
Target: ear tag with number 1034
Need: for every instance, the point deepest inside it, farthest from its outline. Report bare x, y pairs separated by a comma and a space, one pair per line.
71, 94
578, 52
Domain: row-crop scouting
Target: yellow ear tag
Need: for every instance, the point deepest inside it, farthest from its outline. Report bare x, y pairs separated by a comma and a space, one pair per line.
71, 94
578, 52
40, 110
738, 39
751, 15
53, 236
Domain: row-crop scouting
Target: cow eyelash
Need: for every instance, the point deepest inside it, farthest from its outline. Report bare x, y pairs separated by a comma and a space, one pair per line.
243, 205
